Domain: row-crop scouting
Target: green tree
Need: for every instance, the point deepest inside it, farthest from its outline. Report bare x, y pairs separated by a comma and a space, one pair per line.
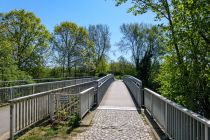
144, 43
72, 45
122, 67
29, 39
8, 68
103, 66
100, 35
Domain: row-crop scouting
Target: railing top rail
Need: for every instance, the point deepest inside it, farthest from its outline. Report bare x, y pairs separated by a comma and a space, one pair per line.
44, 93
104, 77
42, 79
101, 80
181, 108
134, 78
87, 90
36, 84
77, 94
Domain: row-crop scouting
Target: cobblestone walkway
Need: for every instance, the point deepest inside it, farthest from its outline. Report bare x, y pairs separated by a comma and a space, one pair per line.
115, 121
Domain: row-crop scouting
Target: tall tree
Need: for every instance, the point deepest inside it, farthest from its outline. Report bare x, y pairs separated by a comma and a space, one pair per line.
100, 35
29, 38
8, 68
71, 43
143, 42
133, 40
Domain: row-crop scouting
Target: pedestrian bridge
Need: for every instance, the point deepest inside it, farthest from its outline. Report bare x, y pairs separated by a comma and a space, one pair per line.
119, 105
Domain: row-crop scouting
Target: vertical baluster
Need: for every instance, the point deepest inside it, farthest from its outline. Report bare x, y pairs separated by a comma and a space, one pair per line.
207, 133
37, 111
26, 113
11, 121
23, 112
31, 108
19, 116
16, 112
34, 111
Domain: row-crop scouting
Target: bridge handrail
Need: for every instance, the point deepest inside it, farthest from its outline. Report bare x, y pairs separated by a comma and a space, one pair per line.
180, 108
103, 79
135, 86
43, 80
46, 92
177, 121
45, 83
8, 93
30, 110
103, 84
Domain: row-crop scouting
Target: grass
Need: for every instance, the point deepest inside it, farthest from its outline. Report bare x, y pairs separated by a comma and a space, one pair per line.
46, 133
58, 130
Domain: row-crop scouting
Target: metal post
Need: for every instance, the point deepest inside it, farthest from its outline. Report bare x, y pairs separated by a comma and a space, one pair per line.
206, 132
166, 115
88, 100
97, 94
11, 96
80, 106
11, 121
142, 96
152, 105
33, 89
51, 106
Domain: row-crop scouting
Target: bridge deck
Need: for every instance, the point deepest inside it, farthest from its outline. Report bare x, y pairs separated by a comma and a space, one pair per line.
117, 118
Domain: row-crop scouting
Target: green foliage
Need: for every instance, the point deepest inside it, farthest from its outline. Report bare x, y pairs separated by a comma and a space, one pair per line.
144, 43
29, 38
74, 120
46, 133
8, 68
72, 46
23, 45
184, 74
122, 67
102, 66
100, 36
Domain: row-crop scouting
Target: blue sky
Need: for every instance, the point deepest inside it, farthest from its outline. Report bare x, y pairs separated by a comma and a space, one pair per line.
82, 12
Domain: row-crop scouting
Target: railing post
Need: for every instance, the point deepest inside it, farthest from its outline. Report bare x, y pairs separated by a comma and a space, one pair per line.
80, 106
152, 105
88, 100
142, 96
206, 132
166, 114
97, 93
51, 106
33, 89
11, 96
11, 121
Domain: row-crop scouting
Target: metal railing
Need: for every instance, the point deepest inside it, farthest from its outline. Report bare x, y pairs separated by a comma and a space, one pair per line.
103, 85
24, 82
29, 110
135, 86
178, 122
8, 93
87, 100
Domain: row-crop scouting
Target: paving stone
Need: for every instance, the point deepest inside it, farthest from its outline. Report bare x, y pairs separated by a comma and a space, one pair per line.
116, 124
